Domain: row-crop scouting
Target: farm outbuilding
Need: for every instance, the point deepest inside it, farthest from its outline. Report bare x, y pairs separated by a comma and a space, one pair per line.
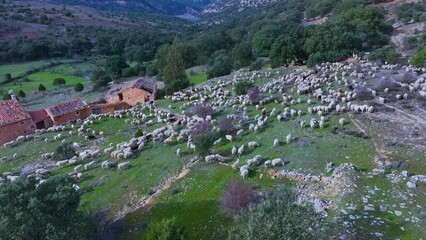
137, 91
69, 111
41, 119
102, 106
14, 121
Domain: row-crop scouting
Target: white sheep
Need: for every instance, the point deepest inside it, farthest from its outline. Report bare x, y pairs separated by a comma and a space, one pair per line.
89, 165
276, 143
253, 145
288, 139
217, 142
235, 164
277, 162
267, 163
78, 168
178, 152
342, 121
244, 174
123, 165
234, 151
240, 132
106, 164
241, 150
228, 137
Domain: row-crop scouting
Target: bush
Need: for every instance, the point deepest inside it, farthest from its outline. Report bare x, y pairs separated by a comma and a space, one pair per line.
202, 110
21, 94
386, 54
278, 216
406, 78
59, 81
166, 229
419, 58
138, 133
386, 82
129, 72
242, 88
363, 93
203, 138
64, 151
41, 88
7, 77
102, 81
78, 87
226, 125
255, 95
222, 66
151, 70
6, 96
256, 65
238, 196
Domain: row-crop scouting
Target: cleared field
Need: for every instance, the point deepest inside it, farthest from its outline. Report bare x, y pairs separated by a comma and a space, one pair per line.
45, 78
17, 69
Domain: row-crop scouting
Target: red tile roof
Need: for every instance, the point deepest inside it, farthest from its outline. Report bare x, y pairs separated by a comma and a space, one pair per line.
144, 83
38, 115
67, 107
11, 111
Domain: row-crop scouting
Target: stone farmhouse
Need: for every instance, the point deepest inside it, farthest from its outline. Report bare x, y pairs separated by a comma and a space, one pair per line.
14, 121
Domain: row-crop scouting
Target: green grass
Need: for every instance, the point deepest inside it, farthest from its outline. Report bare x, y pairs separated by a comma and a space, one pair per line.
17, 69
197, 78
44, 78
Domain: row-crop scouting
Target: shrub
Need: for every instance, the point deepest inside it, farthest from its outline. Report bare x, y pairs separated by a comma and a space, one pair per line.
387, 54
419, 58
151, 69
255, 95
278, 216
385, 82
363, 93
78, 87
242, 88
101, 82
222, 66
203, 138
129, 72
64, 151
165, 229
406, 78
6, 96
238, 196
59, 81
7, 77
226, 125
256, 65
138, 133
41, 88
202, 110
21, 94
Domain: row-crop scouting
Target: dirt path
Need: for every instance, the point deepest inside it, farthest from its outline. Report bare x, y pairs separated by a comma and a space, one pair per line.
145, 203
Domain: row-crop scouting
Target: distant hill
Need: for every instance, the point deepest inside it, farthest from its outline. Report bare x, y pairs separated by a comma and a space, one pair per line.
169, 7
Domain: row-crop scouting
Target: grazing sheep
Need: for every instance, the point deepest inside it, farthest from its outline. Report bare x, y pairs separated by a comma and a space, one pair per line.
240, 132
123, 165
234, 151
241, 150
235, 164
244, 171
217, 142
288, 139
277, 162
276, 143
61, 163
78, 168
252, 161
321, 124
107, 164
342, 121
178, 152
253, 145
267, 163
89, 165
228, 137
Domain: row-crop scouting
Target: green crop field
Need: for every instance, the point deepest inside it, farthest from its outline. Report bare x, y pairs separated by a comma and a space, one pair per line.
17, 69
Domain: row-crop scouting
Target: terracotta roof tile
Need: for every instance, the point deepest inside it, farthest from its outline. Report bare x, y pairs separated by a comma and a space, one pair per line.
67, 107
38, 115
11, 111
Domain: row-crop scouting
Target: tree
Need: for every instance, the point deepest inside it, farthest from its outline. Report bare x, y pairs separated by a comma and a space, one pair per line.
174, 71
78, 87
203, 138
7, 77
59, 81
114, 66
242, 53
21, 94
42, 211
102, 81
6, 96
64, 151
41, 88
165, 229
278, 216
222, 66
238, 196
419, 58
255, 95
242, 88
